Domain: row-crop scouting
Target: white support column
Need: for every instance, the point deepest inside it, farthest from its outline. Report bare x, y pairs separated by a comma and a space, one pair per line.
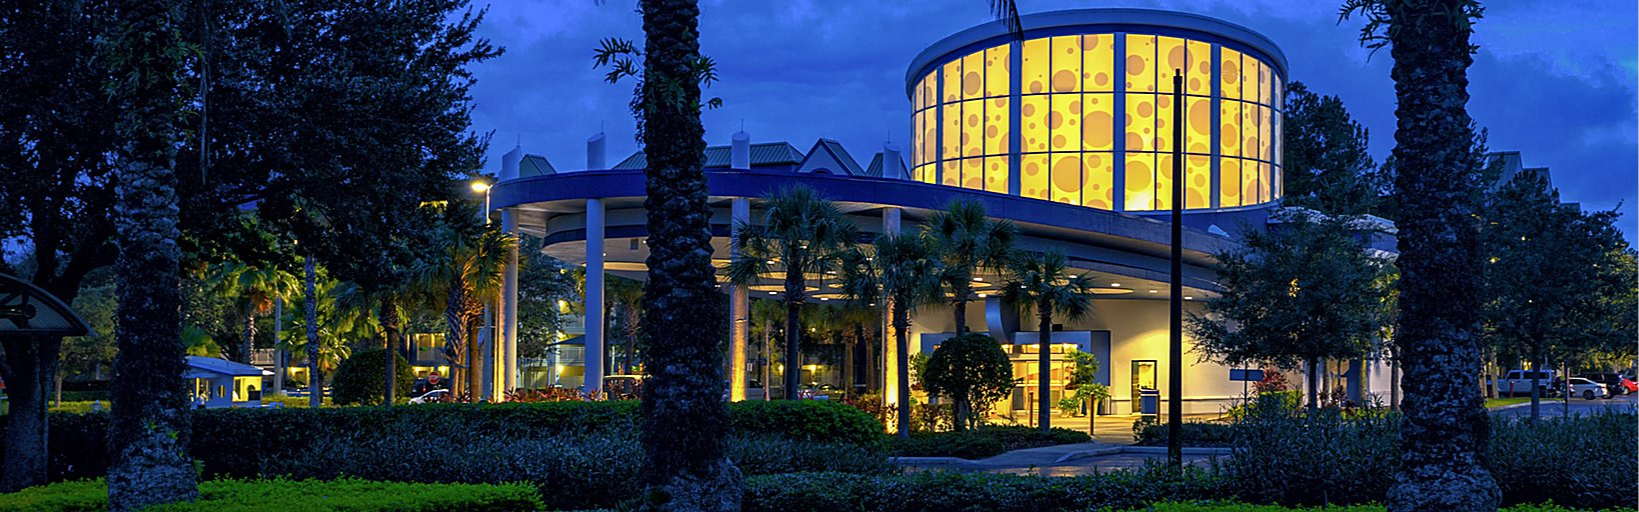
509, 306
594, 296
890, 342
739, 307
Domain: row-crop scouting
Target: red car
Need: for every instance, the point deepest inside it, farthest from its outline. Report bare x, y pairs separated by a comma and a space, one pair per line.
1633, 387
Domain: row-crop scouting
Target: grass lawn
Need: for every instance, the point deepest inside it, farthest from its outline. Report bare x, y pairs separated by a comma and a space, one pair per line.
1491, 403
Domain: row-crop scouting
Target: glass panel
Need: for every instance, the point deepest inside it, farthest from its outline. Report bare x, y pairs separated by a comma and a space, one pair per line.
1249, 77
1200, 126
1170, 52
1198, 187
1066, 64
930, 136
1140, 193
1263, 133
1277, 183
1229, 71
1264, 184
1249, 130
1066, 134
1098, 122
1264, 74
1140, 122
1140, 63
1249, 182
1163, 123
930, 84
996, 174
1066, 178
952, 72
1200, 69
951, 147
1036, 66
973, 173
1033, 180
917, 154
973, 75
973, 116
1229, 182
1163, 181
1033, 113
1097, 183
998, 61
1229, 135
996, 126
952, 175
1098, 72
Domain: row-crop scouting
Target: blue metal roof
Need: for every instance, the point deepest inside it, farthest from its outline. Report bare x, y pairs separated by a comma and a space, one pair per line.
829, 156
217, 366
717, 157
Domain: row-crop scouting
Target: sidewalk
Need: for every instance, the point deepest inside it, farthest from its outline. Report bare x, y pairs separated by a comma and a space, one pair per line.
1060, 460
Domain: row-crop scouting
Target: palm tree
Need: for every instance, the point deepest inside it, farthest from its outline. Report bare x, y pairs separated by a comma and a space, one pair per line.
1044, 284
256, 289
802, 234
335, 319
857, 318
968, 242
905, 270
468, 273
148, 430
1437, 334
627, 297
767, 315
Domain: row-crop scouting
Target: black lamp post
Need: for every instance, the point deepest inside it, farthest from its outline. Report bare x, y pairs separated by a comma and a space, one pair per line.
1175, 374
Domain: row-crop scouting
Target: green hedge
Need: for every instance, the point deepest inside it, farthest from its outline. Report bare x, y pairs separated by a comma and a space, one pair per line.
235, 442
945, 491
291, 495
1148, 431
986, 441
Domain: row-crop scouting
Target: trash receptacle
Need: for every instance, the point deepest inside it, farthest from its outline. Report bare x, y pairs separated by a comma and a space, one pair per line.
1149, 401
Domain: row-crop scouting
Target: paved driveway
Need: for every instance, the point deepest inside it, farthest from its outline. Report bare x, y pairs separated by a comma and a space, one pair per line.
1628, 403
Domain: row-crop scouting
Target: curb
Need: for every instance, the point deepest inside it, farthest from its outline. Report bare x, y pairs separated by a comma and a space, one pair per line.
1099, 452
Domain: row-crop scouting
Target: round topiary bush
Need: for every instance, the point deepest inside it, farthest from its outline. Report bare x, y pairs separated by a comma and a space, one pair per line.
359, 378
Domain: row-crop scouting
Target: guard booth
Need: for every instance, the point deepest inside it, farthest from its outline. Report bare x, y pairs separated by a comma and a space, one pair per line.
27, 311
216, 383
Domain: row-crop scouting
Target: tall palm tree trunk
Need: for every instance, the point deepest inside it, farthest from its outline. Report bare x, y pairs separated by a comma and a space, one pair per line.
958, 304
390, 326
793, 372
1044, 366
901, 324
1446, 428
685, 419
248, 343
310, 279
768, 360
150, 428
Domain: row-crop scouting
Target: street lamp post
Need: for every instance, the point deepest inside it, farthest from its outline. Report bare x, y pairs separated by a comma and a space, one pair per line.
483, 394
482, 187
1175, 374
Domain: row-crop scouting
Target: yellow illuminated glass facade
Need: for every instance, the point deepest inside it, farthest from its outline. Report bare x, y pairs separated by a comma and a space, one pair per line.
1094, 115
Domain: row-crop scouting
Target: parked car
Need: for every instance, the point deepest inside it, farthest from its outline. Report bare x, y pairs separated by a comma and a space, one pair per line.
1612, 382
434, 396
1587, 389
1630, 385
1518, 382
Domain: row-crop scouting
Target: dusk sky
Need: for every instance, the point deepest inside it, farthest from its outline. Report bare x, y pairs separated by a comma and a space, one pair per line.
1555, 81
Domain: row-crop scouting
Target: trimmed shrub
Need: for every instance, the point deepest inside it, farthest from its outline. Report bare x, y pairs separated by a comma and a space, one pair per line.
280, 494
598, 469
1318, 460
219, 438
965, 445
987, 441
1586, 461
358, 381
945, 491
1149, 431
806, 420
